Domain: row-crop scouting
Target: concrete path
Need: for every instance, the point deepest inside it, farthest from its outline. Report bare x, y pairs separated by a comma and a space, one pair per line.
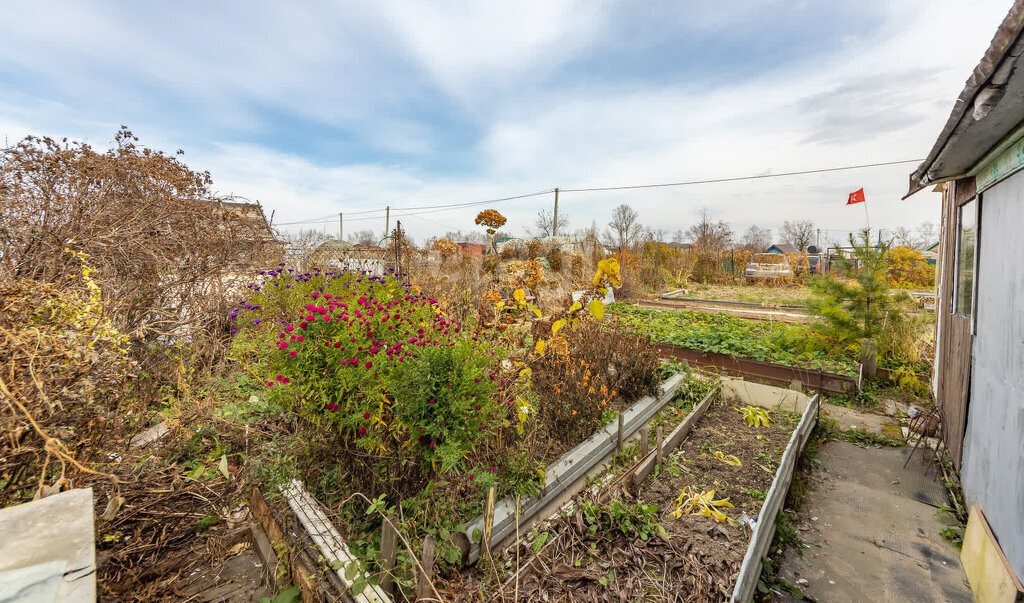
872, 531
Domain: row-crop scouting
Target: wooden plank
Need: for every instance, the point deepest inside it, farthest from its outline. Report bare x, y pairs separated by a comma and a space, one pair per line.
645, 440
423, 588
488, 521
645, 467
764, 530
988, 572
388, 551
659, 447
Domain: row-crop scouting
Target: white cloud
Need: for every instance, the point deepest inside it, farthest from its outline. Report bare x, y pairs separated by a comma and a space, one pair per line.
400, 76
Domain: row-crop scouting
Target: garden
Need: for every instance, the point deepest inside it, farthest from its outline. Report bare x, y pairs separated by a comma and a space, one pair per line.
404, 401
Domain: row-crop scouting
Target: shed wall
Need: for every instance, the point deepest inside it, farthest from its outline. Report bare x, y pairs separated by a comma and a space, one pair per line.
993, 458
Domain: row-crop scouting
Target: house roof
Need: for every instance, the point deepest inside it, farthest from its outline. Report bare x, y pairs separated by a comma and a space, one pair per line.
987, 112
784, 248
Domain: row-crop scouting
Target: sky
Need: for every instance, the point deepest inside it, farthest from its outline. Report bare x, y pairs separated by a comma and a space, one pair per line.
319, 107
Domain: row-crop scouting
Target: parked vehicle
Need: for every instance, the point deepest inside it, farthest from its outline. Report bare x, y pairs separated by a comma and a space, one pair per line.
768, 266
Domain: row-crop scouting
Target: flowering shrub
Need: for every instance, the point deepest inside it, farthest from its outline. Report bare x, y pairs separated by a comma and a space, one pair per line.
369, 356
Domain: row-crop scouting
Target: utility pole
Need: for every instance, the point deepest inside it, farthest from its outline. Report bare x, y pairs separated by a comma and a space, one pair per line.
554, 224
341, 227
817, 240
387, 220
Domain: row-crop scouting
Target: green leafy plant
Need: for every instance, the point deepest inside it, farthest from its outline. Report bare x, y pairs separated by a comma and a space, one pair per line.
618, 518
755, 416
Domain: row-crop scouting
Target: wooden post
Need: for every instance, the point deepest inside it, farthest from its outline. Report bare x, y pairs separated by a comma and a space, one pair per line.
618, 442
485, 543
645, 437
659, 451
423, 590
868, 357
388, 542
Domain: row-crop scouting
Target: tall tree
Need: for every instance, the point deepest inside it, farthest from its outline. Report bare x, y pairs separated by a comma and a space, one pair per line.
757, 239
546, 226
798, 233
709, 235
624, 228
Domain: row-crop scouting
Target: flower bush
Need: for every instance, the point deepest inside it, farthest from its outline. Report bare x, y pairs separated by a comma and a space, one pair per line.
370, 357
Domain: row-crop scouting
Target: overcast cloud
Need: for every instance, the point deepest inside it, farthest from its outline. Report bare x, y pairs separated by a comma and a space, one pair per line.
354, 106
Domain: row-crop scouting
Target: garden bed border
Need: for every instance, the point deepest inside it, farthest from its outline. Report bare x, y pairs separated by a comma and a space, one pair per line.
566, 472
764, 530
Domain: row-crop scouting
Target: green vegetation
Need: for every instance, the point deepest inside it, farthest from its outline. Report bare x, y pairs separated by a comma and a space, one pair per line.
790, 344
857, 303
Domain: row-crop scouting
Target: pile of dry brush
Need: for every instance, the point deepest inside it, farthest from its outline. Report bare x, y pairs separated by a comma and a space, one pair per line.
116, 271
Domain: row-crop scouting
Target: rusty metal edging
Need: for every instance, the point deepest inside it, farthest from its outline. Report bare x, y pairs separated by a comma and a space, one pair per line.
764, 530
747, 367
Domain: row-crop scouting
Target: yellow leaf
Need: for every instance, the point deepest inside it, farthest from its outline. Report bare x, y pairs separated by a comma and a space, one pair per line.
540, 346
575, 306
526, 372
596, 308
555, 328
536, 311
519, 295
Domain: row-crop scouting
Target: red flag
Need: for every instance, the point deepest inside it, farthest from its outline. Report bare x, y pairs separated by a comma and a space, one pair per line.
856, 197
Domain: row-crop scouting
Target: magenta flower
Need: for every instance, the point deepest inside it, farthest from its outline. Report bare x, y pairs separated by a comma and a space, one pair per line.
366, 415
362, 431
293, 354
369, 364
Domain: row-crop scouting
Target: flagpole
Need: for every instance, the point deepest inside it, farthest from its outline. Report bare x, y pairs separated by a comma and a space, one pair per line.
866, 220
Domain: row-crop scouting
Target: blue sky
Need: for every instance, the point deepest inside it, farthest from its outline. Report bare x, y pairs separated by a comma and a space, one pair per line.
321, 107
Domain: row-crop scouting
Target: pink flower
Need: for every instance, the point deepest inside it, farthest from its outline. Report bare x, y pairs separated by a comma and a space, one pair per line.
369, 364
366, 415
293, 354
362, 431
289, 328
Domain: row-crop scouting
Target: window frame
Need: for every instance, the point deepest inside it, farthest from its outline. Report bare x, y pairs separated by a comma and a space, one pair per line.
974, 206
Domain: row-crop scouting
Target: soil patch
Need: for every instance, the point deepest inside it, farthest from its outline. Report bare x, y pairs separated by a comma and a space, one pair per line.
693, 558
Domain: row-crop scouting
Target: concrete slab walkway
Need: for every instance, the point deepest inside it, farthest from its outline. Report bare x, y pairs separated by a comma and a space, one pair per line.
873, 531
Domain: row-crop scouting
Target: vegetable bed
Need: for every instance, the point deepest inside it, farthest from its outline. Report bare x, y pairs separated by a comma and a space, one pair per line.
642, 546
782, 343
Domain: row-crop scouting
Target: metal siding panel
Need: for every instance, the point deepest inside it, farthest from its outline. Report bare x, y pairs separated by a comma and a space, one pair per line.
993, 457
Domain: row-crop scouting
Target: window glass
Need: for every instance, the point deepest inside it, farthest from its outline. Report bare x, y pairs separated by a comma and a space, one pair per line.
966, 243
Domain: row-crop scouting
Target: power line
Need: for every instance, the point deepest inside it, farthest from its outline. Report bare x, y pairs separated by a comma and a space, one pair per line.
432, 208
428, 209
736, 179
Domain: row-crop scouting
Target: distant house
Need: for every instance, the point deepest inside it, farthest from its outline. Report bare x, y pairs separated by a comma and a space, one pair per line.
783, 248
979, 351
471, 249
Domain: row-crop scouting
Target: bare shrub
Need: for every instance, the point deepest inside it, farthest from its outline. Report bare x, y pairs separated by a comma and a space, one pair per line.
167, 250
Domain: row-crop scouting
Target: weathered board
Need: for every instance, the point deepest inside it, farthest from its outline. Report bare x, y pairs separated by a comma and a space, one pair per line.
987, 570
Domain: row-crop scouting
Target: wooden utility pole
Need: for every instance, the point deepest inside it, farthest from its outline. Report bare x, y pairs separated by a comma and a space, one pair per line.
387, 221
554, 224
341, 227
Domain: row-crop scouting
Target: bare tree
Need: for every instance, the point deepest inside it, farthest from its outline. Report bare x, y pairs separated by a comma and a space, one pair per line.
624, 229
306, 240
366, 238
678, 236
546, 226
709, 235
798, 233
757, 239
927, 235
